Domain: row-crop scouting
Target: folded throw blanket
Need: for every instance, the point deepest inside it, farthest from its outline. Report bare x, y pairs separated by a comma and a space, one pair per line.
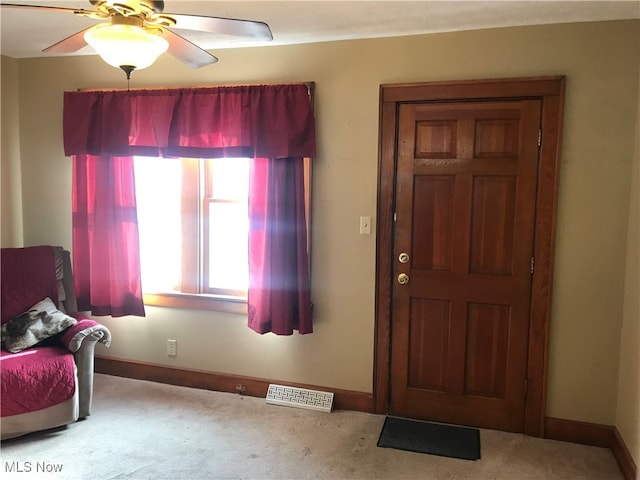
73, 336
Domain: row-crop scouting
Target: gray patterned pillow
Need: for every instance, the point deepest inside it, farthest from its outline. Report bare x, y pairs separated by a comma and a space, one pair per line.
40, 322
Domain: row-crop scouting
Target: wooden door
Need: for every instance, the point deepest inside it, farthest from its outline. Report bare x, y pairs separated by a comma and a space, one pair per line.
464, 236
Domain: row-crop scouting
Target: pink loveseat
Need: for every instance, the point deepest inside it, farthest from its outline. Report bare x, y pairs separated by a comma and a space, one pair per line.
47, 355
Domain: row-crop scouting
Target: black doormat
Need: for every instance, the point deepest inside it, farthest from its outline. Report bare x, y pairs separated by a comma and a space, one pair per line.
431, 438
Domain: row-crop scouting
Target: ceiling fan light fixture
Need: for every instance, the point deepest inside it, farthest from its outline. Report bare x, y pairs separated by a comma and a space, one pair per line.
126, 45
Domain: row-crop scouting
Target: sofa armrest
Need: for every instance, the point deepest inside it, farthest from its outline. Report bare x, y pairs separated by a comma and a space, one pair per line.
74, 336
81, 339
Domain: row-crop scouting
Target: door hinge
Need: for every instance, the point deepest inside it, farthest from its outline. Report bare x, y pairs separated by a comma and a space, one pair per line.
395, 217
526, 386
533, 264
539, 137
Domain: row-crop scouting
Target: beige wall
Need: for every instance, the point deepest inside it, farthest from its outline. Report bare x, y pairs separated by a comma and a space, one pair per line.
11, 191
628, 409
600, 61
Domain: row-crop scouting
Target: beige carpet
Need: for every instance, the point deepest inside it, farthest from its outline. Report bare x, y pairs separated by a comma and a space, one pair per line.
145, 430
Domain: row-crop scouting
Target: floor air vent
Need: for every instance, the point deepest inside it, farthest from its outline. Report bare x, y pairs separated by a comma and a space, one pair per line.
299, 397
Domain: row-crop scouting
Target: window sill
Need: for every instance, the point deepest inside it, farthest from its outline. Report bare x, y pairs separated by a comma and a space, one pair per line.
197, 302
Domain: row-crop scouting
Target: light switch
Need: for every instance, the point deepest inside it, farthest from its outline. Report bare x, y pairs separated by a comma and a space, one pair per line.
365, 225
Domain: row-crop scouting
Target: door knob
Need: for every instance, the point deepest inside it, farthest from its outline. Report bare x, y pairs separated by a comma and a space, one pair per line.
403, 257
403, 279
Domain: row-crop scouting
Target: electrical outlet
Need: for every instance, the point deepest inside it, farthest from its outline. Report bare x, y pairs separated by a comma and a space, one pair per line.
172, 348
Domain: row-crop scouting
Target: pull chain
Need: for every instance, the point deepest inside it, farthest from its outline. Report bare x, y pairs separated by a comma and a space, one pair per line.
128, 69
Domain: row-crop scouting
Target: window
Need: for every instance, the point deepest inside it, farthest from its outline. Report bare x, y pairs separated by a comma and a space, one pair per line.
274, 123
193, 225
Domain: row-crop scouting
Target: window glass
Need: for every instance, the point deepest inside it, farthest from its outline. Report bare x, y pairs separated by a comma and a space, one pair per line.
192, 242
227, 246
193, 223
158, 193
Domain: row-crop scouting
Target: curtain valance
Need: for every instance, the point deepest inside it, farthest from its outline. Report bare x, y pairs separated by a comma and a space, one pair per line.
257, 121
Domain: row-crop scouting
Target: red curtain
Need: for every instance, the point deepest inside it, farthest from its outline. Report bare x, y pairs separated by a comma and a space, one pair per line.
261, 121
272, 123
279, 291
105, 236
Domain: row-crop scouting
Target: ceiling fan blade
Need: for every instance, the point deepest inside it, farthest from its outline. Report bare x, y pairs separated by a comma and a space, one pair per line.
187, 52
70, 44
45, 8
227, 26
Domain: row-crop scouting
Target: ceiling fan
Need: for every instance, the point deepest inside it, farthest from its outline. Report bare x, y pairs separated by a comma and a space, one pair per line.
139, 31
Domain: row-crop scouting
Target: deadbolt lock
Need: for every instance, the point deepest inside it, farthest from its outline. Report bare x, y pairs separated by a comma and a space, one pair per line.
403, 258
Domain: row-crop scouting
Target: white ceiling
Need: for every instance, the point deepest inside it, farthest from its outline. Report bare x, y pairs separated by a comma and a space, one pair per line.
26, 32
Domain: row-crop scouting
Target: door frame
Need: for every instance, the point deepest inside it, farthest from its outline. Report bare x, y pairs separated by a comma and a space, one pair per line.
550, 90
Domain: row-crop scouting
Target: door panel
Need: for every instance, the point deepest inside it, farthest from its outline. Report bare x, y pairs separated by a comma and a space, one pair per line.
487, 348
433, 229
429, 344
465, 188
492, 214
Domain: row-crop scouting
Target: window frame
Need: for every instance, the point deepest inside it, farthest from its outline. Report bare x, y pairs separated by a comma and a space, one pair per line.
191, 295
207, 198
198, 301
